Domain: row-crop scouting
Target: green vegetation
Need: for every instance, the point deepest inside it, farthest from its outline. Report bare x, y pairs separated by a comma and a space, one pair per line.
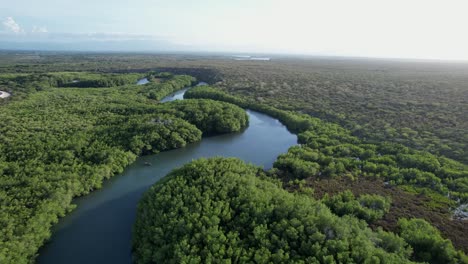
418, 104
59, 143
421, 105
367, 207
222, 210
427, 243
329, 150
23, 84
387, 131
86, 80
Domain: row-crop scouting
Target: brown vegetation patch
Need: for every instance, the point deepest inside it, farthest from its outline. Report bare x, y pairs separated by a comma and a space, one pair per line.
404, 205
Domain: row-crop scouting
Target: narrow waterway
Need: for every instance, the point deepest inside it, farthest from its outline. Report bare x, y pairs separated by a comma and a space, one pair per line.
99, 229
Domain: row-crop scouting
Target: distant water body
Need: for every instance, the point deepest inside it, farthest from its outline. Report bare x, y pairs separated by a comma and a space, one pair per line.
247, 57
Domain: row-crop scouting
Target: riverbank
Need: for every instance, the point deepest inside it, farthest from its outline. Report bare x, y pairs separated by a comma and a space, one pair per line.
100, 227
81, 138
408, 170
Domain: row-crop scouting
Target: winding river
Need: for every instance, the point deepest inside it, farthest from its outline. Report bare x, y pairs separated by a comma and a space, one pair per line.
99, 229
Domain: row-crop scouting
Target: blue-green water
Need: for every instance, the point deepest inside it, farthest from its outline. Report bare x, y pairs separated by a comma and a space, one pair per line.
99, 229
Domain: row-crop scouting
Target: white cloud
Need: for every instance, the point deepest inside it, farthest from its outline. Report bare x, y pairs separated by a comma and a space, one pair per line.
11, 26
37, 29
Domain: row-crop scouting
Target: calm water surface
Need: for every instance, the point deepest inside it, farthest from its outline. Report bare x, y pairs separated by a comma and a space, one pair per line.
99, 229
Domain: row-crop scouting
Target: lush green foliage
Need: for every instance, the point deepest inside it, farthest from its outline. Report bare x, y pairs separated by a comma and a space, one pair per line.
222, 210
210, 117
417, 104
367, 207
428, 245
57, 143
86, 80
157, 90
21, 85
421, 106
330, 150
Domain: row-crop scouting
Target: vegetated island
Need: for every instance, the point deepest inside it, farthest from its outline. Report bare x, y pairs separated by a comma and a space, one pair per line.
60, 139
223, 210
379, 183
232, 225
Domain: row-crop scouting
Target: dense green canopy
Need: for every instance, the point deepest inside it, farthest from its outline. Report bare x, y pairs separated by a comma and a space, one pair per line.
59, 140
57, 143
330, 150
223, 210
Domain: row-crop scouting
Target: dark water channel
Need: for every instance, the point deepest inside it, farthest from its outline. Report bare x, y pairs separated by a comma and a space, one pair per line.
99, 229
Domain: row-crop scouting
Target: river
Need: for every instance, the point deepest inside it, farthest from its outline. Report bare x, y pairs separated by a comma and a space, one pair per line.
99, 229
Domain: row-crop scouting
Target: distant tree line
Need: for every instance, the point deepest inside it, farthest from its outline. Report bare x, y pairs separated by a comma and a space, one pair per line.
329, 150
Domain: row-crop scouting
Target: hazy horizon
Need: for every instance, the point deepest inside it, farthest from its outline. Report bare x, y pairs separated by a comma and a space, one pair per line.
375, 29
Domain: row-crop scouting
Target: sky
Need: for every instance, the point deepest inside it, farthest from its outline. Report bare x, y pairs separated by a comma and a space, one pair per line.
422, 29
